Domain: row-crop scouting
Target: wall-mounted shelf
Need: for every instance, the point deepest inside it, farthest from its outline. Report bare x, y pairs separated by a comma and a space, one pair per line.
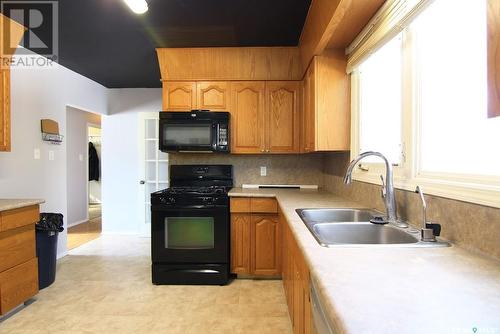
50, 132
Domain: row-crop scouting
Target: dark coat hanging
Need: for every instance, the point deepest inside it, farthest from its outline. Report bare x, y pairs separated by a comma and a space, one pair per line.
93, 163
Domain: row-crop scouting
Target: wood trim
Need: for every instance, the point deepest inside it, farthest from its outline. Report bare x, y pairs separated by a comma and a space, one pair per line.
493, 58
334, 24
230, 63
239, 204
15, 218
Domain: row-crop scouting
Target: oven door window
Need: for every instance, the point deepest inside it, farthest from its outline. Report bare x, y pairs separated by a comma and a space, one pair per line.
199, 134
189, 233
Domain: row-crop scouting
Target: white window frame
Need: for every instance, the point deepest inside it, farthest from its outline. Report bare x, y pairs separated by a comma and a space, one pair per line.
479, 189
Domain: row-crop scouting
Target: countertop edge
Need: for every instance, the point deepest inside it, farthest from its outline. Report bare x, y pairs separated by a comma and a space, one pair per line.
17, 203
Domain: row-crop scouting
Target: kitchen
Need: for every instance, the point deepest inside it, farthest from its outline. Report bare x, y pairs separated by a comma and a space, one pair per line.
322, 245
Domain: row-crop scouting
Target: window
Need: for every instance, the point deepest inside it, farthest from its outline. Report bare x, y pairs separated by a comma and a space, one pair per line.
421, 99
380, 102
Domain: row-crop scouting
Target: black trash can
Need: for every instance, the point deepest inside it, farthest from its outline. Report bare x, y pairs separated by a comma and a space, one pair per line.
47, 231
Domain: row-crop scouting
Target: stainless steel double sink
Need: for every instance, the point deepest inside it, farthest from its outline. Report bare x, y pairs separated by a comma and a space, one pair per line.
352, 227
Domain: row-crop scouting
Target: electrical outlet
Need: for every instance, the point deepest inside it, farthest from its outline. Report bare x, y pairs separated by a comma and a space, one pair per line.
51, 155
36, 154
263, 171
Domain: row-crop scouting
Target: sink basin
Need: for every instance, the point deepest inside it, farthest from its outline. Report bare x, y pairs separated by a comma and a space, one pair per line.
336, 215
361, 233
351, 227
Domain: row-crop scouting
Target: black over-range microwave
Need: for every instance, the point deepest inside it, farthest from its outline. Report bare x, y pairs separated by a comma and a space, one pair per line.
194, 131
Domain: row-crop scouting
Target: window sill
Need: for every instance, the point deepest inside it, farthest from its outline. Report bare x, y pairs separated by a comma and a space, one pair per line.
488, 195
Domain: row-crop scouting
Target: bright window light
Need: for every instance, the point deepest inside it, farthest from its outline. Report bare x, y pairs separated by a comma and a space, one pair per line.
455, 134
137, 6
380, 84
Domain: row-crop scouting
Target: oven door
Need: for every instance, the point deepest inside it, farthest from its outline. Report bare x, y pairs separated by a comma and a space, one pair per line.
190, 234
187, 135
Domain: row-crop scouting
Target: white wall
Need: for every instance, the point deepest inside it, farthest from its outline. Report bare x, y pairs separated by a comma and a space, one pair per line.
121, 207
77, 177
37, 94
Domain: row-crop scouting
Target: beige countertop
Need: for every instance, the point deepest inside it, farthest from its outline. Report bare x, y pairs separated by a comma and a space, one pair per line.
393, 290
9, 204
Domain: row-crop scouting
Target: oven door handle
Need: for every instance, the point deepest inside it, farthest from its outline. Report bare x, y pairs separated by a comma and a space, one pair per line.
186, 207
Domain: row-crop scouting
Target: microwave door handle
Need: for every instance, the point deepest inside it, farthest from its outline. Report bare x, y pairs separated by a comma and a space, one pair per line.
217, 136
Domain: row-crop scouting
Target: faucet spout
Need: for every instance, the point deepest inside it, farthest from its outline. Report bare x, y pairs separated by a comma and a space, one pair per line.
390, 199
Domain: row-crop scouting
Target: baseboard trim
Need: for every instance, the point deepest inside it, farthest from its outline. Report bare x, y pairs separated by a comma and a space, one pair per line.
61, 255
77, 223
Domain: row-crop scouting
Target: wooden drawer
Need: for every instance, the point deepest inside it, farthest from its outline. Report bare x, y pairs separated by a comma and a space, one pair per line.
18, 284
17, 246
11, 219
264, 205
240, 204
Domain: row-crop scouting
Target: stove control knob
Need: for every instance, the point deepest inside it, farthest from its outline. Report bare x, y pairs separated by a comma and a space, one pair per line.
168, 200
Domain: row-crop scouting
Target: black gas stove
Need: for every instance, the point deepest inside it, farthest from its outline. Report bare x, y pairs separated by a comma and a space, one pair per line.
190, 226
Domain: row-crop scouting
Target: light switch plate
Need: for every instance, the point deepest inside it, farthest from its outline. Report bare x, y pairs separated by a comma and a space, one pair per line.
36, 154
51, 155
263, 171
80, 157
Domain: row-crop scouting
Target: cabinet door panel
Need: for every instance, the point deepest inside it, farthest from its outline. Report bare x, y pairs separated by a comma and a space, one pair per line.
4, 109
213, 95
18, 284
282, 115
179, 96
265, 245
309, 114
240, 243
247, 110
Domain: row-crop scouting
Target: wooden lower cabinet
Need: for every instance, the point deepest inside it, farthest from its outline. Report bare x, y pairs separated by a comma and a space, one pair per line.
296, 282
240, 243
265, 245
18, 261
255, 237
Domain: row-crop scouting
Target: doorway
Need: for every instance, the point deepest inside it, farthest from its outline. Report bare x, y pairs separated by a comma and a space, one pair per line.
91, 227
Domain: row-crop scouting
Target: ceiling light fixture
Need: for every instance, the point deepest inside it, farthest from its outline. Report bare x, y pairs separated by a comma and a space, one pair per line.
137, 6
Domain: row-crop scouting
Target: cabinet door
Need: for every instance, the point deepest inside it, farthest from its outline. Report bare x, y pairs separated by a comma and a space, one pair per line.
282, 117
240, 243
4, 109
179, 96
18, 284
213, 95
247, 111
309, 114
265, 242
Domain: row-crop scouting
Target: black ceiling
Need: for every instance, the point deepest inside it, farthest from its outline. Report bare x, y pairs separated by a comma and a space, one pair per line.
104, 41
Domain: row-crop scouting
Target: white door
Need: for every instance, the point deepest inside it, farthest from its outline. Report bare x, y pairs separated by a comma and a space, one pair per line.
154, 167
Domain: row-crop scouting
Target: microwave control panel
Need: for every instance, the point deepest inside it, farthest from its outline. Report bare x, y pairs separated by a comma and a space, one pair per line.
223, 140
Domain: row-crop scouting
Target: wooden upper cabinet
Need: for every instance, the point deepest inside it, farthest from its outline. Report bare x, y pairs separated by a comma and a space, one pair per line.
213, 95
179, 96
282, 117
4, 109
493, 58
265, 240
247, 113
308, 114
326, 117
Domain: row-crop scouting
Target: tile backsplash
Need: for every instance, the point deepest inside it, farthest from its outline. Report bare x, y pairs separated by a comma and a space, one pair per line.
281, 169
471, 226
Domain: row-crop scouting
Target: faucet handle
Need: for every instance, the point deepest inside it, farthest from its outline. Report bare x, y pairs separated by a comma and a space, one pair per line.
384, 189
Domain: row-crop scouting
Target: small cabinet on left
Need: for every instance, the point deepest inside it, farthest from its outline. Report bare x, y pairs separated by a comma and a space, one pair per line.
18, 261
189, 95
12, 36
